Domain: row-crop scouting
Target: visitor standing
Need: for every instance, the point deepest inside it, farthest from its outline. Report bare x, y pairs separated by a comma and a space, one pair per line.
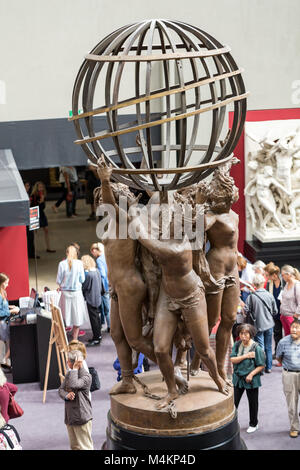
97, 250
261, 307
288, 353
5, 311
275, 286
70, 277
75, 391
269, 267
92, 182
259, 268
248, 361
37, 198
29, 233
290, 297
91, 289
246, 274
69, 179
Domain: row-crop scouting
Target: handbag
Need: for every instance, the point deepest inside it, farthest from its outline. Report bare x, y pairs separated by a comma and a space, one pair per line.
250, 319
69, 197
13, 410
95, 385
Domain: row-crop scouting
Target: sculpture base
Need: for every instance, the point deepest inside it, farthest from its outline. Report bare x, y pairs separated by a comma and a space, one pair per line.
206, 419
284, 252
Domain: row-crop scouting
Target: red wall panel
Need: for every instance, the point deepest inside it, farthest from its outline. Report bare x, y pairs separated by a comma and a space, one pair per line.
14, 260
238, 171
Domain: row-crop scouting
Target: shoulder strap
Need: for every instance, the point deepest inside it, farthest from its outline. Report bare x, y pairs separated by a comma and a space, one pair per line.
238, 346
253, 346
9, 441
10, 426
265, 304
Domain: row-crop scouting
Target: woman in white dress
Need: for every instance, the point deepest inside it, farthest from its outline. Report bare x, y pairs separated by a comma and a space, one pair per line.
246, 274
70, 277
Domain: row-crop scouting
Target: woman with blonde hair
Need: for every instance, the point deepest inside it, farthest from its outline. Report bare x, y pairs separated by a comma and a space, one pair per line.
91, 289
76, 345
70, 277
290, 297
37, 198
5, 312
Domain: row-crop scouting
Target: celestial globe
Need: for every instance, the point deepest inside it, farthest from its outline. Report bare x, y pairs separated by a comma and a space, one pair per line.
175, 82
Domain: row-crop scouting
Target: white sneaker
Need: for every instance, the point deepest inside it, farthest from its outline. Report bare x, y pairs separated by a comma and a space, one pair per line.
252, 429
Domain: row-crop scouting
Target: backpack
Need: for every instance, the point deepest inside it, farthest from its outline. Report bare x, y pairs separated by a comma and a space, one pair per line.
9, 438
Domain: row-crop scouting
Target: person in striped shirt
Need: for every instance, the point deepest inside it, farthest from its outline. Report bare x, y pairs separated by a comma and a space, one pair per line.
288, 353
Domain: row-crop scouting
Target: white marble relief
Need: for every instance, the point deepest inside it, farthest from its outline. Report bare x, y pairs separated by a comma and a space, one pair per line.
272, 188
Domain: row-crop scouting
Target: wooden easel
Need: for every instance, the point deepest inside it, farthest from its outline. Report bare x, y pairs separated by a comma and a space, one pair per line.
59, 337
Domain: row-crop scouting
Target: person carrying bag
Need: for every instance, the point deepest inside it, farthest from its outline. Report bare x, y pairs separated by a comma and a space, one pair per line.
248, 361
9, 407
260, 307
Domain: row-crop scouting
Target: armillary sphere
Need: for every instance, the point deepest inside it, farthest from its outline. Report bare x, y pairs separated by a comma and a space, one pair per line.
175, 82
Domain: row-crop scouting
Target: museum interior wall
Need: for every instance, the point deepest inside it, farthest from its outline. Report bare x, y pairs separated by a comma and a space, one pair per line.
45, 49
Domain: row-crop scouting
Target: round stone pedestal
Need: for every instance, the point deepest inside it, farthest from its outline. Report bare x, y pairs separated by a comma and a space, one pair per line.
206, 418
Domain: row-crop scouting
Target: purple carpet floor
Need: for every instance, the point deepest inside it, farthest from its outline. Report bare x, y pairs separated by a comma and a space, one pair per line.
42, 425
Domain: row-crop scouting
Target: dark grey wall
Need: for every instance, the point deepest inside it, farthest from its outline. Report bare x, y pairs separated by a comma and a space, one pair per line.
47, 143
14, 202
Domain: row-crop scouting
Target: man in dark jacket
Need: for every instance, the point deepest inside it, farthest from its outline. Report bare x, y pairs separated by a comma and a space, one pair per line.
91, 289
74, 390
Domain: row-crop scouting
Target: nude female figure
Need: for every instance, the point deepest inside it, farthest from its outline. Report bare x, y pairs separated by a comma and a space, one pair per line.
222, 232
181, 293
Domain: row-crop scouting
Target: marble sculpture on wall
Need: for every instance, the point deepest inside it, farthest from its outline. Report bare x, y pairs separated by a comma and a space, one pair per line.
272, 189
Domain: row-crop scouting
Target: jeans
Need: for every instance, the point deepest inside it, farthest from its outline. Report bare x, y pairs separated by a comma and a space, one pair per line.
244, 295
264, 339
104, 309
70, 205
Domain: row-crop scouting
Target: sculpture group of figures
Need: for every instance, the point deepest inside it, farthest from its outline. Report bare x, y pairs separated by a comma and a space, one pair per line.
166, 292
273, 190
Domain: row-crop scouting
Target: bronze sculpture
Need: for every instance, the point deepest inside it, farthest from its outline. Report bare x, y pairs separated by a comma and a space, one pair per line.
128, 290
172, 284
222, 233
